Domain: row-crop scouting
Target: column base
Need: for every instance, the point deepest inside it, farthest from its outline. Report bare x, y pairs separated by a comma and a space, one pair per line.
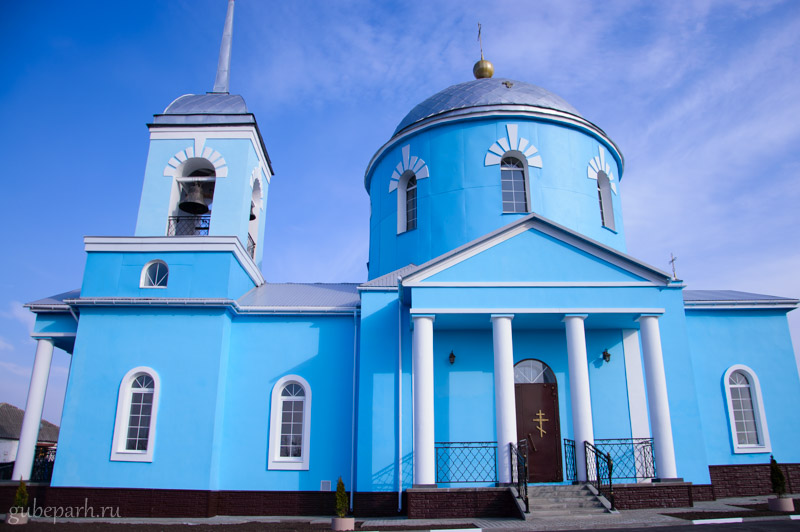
424, 486
666, 480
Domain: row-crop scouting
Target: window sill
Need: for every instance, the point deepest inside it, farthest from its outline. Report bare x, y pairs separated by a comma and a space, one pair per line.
277, 465
131, 456
759, 449
609, 229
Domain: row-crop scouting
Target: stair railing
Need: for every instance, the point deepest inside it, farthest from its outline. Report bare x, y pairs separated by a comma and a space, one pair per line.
519, 471
599, 471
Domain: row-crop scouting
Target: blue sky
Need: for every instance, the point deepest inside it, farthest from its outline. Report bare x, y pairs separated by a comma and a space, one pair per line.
703, 98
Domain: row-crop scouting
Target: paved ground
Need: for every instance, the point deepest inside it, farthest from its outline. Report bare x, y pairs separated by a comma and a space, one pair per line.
624, 520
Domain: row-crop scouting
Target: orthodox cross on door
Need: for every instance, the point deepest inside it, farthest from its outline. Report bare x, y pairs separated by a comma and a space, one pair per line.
539, 420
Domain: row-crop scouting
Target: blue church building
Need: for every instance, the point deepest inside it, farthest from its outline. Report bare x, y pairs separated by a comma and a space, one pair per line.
502, 323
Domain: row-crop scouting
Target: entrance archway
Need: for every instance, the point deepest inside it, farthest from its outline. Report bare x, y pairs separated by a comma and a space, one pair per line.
536, 394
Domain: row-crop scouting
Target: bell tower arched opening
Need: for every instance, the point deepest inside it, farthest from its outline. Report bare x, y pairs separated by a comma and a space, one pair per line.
190, 212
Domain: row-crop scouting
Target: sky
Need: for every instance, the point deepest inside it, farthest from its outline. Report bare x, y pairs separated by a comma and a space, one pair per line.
702, 97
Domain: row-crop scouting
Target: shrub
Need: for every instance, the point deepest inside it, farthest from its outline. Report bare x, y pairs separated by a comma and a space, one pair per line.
21, 497
341, 499
776, 477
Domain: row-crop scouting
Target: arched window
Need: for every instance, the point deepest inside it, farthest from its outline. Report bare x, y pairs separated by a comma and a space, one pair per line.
407, 202
154, 275
533, 371
192, 198
746, 417
290, 424
137, 408
514, 185
604, 197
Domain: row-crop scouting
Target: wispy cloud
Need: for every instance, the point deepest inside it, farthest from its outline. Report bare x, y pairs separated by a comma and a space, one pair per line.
5, 346
19, 313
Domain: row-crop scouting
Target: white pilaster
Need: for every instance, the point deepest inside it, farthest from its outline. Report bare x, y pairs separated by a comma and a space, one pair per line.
33, 410
657, 400
422, 374
505, 405
582, 426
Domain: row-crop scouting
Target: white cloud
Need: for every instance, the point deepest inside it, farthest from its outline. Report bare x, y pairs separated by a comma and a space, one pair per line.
19, 313
5, 346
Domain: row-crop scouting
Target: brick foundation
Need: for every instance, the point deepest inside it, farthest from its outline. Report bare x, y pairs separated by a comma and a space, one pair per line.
703, 492
751, 479
666, 495
433, 503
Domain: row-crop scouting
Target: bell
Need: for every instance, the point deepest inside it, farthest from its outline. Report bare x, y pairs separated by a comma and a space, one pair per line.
193, 200
252, 211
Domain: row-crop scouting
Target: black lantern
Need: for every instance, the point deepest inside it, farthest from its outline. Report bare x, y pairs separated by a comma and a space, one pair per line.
452, 357
606, 355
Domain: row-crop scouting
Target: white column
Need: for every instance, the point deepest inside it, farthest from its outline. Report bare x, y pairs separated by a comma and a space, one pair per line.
33, 410
657, 401
582, 427
422, 374
505, 405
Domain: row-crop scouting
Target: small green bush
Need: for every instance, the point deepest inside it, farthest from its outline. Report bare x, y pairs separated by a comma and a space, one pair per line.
21, 497
776, 477
341, 499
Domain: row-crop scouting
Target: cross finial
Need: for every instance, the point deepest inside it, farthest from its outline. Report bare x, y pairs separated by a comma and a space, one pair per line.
480, 42
672, 259
222, 81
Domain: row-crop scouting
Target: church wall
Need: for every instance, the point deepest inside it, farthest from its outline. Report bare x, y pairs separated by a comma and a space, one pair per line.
55, 323
460, 182
759, 340
264, 349
184, 348
201, 275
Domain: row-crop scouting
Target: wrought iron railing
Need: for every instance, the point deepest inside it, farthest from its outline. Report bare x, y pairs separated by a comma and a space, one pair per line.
571, 470
251, 246
599, 471
632, 457
43, 464
189, 225
466, 462
519, 470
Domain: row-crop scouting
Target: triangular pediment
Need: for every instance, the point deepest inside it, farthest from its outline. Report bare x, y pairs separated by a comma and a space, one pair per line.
534, 250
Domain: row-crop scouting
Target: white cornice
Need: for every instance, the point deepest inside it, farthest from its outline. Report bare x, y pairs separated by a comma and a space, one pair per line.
529, 310
789, 304
514, 284
165, 244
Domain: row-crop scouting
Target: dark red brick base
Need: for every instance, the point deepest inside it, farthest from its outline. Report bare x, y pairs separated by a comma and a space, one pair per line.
666, 495
439, 503
744, 480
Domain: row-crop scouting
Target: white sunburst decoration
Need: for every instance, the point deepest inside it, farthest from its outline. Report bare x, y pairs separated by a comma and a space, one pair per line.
599, 164
200, 151
513, 142
409, 162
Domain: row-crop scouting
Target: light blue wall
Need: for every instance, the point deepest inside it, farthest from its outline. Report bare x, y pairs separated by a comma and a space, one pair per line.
761, 341
461, 200
185, 349
232, 194
55, 323
263, 350
191, 275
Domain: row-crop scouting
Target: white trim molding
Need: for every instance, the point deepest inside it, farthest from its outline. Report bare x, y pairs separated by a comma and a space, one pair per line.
164, 244
275, 461
119, 453
528, 310
512, 142
409, 162
199, 151
764, 445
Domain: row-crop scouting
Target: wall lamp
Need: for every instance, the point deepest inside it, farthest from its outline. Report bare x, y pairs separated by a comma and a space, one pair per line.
452, 357
606, 355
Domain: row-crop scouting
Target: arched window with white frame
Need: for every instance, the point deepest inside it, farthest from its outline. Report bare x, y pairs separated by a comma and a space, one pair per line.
137, 410
155, 274
604, 198
514, 185
290, 424
746, 417
407, 202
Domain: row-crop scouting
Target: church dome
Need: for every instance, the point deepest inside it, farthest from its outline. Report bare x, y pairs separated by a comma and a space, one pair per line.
209, 108
457, 99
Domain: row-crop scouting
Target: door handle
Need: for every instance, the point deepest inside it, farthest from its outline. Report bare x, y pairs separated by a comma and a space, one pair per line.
530, 439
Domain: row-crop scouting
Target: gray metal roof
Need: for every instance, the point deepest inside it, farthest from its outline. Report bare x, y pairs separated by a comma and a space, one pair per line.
485, 92
389, 280
55, 301
730, 295
11, 425
210, 108
336, 296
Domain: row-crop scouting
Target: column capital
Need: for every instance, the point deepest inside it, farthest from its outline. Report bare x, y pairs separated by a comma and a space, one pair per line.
493, 316
581, 316
431, 317
656, 316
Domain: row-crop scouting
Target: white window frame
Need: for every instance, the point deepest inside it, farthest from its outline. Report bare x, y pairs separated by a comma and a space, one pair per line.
118, 451
758, 412
275, 460
606, 201
143, 276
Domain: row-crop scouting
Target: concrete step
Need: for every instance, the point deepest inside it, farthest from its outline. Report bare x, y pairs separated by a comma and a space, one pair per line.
561, 500
534, 514
563, 505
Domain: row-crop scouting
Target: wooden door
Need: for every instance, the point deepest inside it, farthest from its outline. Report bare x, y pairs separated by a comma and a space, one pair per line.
538, 424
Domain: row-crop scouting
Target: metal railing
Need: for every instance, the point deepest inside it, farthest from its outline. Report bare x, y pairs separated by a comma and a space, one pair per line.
519, 470
189, 225
599, 470
251, 246
43, 464
632, 457
466, 462
571, 471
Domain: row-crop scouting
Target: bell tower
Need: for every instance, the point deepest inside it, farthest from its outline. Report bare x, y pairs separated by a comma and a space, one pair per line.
207, 172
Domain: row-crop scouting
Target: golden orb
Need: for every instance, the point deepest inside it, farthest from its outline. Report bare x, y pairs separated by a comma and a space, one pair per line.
483, 69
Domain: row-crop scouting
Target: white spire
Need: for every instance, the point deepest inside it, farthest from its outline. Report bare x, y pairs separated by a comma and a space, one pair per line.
222, 82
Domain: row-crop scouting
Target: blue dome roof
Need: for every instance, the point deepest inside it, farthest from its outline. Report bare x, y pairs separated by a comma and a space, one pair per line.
485, 92
209, 108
